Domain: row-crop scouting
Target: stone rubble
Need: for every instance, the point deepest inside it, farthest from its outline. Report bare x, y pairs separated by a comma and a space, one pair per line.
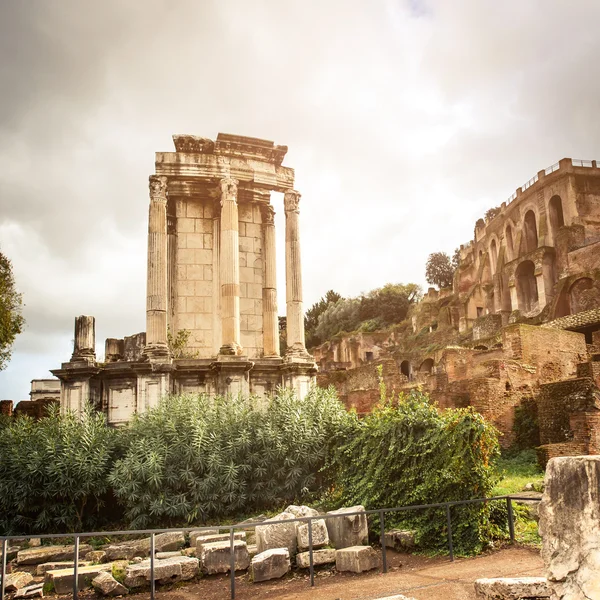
163, 542
505, 588
218, 537
63, 579
275, 535
106, 585
169, 570
215, 557
399, 539
324, 556
18, 580
57, 566
96, 556
31, 591
43, 554
348, 531
270, 564
357, 559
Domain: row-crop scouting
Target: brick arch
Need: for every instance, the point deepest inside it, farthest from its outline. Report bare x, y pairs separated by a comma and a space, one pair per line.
426, 366
530, 231
509, 240
527, 294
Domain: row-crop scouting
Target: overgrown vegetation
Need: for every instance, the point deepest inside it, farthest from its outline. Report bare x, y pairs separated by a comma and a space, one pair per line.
378, 309
54, 472
195, 458
516, 471
407, 452
439, 269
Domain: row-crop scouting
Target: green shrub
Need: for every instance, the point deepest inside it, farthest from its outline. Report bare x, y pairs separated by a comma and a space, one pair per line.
194, 458
525, 426
407, 452
54, 472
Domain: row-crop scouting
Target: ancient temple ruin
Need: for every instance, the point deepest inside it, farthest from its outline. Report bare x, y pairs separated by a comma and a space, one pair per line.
211, 276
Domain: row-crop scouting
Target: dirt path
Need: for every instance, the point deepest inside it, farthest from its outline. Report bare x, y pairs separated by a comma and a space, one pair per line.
418, 577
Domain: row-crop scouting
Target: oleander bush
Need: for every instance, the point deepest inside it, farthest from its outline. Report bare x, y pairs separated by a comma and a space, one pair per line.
196, 458
54, 472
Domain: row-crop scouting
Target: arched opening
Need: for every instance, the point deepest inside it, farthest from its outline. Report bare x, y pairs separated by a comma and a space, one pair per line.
509, 243
557, 219
405, 369
493, 255
426, 366
527, 294
530, 232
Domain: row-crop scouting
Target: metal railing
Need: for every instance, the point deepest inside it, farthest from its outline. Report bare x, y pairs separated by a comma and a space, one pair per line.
381, 513
529, 183
578, 162
552, 168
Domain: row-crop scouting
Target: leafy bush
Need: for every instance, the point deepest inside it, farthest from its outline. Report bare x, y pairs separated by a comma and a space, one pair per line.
525, 426
407, 452
194, 457
54, 472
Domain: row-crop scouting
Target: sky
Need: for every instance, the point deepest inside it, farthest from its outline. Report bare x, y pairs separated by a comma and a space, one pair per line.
405, 121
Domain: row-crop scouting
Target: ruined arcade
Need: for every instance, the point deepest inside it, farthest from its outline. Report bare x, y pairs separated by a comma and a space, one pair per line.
212, 275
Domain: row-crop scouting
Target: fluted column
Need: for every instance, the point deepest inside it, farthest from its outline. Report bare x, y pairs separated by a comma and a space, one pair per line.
270, 318
84, 347
293, 276
156, 297
229, 269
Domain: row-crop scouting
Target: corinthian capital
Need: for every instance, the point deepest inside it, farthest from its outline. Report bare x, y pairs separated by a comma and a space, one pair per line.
291, 200
158, 188
229, 188
268, 214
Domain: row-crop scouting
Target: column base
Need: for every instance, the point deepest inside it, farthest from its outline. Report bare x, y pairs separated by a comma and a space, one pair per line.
297, 351
157, 353
232, 349
232, 374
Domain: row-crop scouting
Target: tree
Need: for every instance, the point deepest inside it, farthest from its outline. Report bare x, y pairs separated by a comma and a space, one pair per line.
338, 317
456, 259
389, 304
439, 270
311, 319
11, 320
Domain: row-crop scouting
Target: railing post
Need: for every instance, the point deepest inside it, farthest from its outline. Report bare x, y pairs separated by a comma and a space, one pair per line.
4, 554
76, 568
232, 562
511, 522
449, 520
152, 553
310, 553
383, 546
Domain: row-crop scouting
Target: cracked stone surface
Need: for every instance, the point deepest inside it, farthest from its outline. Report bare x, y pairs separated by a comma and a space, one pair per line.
570, 527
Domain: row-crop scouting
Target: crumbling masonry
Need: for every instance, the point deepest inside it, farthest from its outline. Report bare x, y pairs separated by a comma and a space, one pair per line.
520, 325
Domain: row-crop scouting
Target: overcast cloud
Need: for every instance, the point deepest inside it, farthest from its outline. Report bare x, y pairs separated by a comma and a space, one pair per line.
405, 121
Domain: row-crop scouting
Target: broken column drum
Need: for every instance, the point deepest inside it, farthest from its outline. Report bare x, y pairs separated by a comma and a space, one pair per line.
212, 323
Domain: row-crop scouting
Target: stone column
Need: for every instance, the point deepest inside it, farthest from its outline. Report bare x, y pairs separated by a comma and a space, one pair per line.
216, 277
270, 318
293, 277
156, 296
84, 348
229, 269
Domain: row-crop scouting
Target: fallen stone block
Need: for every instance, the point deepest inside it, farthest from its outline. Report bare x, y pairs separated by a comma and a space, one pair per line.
400, 539
96, 556
356, 559
43, 554
270, 564
278, 535
252, 550
325, 556
505, 588
218, 537
63, 579
320, 536
18, 580
34, 542
301, 511
196, 533
31, 591
215, 557
169, 570
163, 555
105, 584
163, 542
57, 566
11, 552
347, 531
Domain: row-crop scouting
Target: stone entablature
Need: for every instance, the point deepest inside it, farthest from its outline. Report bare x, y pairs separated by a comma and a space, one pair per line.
212, 276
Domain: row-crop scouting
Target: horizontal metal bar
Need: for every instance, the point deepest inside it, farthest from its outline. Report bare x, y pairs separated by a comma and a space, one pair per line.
266, 522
